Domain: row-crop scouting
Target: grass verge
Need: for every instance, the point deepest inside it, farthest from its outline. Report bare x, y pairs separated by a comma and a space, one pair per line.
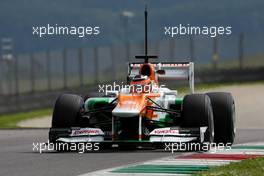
249, 167
11, 120
255, 61
199, 87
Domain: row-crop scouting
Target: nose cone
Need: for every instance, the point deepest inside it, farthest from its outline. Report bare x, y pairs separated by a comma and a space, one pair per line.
129, 106
125, 112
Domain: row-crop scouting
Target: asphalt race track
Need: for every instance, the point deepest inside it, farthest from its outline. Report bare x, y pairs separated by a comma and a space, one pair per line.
18, 157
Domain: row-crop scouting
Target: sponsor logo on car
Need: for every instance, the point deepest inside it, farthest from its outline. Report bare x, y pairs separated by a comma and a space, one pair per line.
165, 131
87, 131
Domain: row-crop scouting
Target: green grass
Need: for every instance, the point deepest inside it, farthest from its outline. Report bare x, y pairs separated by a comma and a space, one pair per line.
206, 86
248, 62
250, 167
11, 120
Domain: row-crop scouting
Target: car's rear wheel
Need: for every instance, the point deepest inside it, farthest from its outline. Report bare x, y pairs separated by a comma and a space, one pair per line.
224, 116
197, 112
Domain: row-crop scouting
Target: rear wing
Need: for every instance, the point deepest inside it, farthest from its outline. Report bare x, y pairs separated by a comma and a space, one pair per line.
173, 71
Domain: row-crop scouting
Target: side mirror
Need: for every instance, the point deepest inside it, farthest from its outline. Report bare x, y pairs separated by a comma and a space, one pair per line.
161, 72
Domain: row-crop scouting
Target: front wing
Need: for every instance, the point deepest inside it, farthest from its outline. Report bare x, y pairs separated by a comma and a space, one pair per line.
159, 135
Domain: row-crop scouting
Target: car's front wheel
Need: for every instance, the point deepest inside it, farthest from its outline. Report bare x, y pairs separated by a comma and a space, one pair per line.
67, 111
66, 114
197, 112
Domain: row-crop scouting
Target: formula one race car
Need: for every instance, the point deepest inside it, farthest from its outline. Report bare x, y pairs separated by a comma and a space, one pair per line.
146, 112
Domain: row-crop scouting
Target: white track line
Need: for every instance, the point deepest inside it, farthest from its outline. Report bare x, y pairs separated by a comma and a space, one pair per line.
105, 172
